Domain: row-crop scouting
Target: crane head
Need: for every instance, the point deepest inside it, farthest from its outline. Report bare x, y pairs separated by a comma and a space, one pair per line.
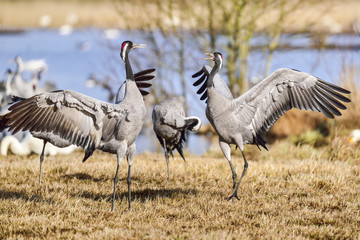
216, 57
127, 46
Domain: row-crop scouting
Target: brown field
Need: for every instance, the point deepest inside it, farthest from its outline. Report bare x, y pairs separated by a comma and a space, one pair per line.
292, 192
309, 15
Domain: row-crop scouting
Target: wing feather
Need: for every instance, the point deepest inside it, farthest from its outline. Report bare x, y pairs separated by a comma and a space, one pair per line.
330, 98
284, 89
219, 84
200, 80
70, 115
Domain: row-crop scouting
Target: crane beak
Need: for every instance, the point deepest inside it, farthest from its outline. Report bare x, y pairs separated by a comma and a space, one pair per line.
138, 45
211, 56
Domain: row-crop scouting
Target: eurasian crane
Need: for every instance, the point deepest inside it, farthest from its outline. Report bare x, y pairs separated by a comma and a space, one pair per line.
84, 121
170, 125
246, 119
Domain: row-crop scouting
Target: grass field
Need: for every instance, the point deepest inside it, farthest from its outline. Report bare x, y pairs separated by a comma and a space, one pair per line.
291, 192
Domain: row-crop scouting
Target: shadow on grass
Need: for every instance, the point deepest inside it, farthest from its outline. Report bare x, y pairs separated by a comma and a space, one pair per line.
143, 195
84, 176
151, 194
29, 197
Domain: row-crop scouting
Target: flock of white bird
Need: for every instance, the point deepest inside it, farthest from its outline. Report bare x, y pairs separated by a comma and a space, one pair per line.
66, 118
15, 84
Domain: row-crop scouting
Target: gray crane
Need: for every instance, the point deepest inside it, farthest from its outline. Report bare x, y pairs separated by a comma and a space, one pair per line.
170, 125
140, 79
84, 121
105, 83
245, 120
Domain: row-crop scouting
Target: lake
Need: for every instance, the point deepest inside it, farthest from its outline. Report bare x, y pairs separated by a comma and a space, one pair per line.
72, 56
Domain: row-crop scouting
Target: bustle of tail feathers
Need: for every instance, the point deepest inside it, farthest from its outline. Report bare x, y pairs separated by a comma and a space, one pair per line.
258, 140
180, 146
88, 154
193, 123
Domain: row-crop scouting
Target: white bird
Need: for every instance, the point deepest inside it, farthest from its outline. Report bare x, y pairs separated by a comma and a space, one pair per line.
84, 121
66, 29
33, 65
354, 136
5, 91
21, 88
170, 125
246, 119
31, 145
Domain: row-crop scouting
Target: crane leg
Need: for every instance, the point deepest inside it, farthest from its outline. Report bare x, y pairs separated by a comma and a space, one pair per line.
42, 159
130, 158
241, 177
115, 182
129, 183
119, 156
227, 153
167, 160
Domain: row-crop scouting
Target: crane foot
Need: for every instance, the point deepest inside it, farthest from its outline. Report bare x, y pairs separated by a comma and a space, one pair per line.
234, 195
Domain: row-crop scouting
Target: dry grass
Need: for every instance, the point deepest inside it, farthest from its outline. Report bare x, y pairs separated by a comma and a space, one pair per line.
319, 15
290, 192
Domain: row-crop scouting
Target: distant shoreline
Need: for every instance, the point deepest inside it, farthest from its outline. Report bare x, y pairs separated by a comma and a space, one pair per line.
321, 16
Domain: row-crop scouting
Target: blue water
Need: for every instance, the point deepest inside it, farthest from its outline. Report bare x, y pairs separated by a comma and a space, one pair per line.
73, 57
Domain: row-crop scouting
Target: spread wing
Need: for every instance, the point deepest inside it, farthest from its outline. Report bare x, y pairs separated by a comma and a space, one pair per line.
70, 115
219, 84
284, 89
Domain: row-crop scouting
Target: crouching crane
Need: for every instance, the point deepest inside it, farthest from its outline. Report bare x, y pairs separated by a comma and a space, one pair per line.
170, 125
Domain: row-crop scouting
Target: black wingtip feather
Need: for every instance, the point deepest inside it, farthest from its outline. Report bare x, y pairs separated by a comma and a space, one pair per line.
144, 78
144, 72
335, 87
200, 80
332, 91
323, 109
326, 103
143, 92
143, 85
180, 145
198, 73
204, 96
87, 155
201, 89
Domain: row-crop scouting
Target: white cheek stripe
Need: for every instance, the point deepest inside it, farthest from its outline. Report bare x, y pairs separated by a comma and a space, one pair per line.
123, 51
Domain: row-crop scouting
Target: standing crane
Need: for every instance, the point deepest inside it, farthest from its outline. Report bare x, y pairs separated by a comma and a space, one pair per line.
140, 78
84, 121
170, 125
246, 119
